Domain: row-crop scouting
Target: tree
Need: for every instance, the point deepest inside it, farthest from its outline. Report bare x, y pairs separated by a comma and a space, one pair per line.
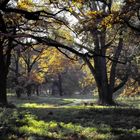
26, 65
55, 65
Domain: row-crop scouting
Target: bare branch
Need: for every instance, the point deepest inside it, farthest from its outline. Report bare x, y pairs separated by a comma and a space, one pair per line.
65, 54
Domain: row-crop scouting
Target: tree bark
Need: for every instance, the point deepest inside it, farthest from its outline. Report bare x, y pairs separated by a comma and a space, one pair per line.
3, 80
99, 71
29, 91
100, 75
18, 89
3, 84
105, 96
105, 82
60, 85
37, 90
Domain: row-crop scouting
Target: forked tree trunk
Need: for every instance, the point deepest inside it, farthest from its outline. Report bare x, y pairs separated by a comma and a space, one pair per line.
105, 94
100, 75
105, 82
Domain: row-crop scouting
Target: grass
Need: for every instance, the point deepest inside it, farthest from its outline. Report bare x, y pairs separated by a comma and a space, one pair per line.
133, 102
62, 119
39, 102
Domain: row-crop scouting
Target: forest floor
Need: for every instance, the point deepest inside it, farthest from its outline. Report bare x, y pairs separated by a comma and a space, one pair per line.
55, 118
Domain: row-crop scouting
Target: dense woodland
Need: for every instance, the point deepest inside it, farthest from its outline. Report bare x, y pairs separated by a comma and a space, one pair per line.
68, 48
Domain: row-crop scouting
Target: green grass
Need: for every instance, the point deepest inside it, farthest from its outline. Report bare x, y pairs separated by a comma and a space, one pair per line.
39, 102
57, 119
133, 102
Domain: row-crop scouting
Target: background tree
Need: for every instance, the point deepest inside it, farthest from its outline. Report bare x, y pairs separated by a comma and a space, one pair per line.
57, 66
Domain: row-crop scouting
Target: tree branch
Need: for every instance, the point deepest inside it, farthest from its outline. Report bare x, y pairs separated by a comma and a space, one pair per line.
65, 54
122, 83
54, 43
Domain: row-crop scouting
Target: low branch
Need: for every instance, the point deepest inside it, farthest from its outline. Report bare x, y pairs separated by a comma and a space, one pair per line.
54, 43
66, 54
91, 67
122, 83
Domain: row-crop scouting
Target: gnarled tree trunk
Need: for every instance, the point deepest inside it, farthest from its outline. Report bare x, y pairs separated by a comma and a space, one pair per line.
105, 81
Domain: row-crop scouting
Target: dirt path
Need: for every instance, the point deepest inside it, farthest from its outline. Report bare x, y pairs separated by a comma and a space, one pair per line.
78, 102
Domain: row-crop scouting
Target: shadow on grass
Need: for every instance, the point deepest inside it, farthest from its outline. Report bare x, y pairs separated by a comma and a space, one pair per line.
108, 123
72, 123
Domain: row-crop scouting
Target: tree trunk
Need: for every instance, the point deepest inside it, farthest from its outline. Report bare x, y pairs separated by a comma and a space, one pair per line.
29, 90
18, 89
18, 93
37, 90
99, 71
100, 75
5, 57
3, 96
3, 81
29, 86
105, 83
105, 97
60, 85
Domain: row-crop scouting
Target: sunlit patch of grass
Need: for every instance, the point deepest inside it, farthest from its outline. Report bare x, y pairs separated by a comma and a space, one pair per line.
87, 107
10, 94
59, 129
36, 105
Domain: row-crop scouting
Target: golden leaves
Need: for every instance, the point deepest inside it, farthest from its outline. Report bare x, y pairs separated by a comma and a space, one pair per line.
103, 20
107, 21
53, 62
26, 4
78, 1
95, 14
37, 76
64, 35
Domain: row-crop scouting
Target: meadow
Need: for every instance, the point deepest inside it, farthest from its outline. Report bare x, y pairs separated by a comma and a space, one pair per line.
53, 118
